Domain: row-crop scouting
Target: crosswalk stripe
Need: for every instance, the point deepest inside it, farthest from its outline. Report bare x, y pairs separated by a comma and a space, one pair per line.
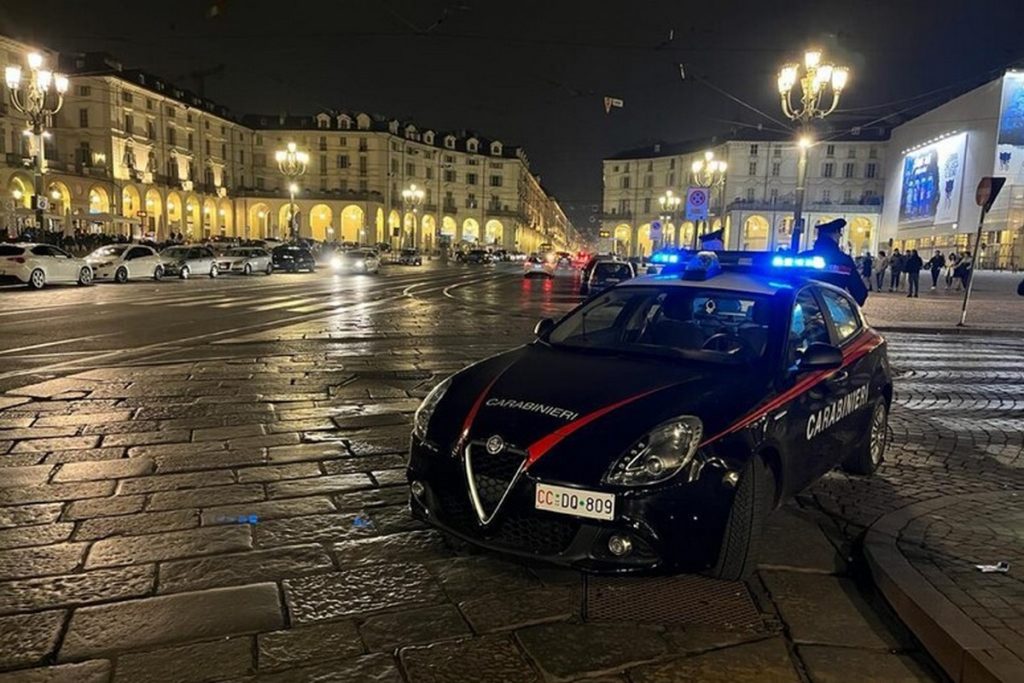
285, 304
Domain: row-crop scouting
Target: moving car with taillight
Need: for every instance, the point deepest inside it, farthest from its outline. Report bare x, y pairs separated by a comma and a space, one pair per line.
656, 426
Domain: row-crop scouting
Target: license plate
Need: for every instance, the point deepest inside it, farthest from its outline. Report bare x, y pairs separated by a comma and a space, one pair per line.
576, 502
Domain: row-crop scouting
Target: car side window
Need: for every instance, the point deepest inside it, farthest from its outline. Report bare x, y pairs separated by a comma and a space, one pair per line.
42, 250
844, 316
135, 252
807, 325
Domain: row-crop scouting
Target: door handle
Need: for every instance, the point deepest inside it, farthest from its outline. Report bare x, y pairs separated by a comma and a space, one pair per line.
840, 376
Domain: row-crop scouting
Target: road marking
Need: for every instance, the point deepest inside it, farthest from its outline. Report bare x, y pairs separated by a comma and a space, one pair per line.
31, 347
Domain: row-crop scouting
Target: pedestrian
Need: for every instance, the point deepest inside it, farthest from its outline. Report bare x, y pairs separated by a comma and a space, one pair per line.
966, 268
842, 270
866, 266
935, 265
881, 265
951, 263
912, 266
896, 270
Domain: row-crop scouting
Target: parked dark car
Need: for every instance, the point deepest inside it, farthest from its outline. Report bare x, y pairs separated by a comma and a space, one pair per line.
293, 258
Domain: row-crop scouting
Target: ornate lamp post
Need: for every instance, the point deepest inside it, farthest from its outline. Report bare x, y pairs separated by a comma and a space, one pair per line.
292, 164
412, 197
816, 102
669, 205
38, 98
708, 173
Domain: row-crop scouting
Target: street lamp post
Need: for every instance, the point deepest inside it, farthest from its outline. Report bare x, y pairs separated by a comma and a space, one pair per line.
669, 202
412, 197
708, 173
38, 98
817, 78
292, 164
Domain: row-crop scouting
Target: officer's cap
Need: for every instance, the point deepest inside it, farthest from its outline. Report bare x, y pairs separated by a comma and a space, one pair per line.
832, 227
716, 235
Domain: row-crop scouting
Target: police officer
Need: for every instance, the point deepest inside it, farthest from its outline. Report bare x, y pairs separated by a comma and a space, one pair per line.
840, 269
712, 241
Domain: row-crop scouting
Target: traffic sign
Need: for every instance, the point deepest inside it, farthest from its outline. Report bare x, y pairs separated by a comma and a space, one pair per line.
988, 190
656, 231
697, 203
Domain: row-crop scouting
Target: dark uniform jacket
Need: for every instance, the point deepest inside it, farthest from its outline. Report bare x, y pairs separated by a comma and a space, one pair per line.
840, 270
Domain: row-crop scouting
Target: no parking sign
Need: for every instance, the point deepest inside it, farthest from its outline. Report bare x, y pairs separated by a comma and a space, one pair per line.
697, 203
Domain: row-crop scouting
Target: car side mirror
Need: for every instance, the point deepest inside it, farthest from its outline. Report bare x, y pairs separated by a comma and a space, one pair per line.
819, 356
543, 328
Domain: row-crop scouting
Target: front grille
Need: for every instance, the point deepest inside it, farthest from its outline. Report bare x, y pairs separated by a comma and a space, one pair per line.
536, 533
492, 474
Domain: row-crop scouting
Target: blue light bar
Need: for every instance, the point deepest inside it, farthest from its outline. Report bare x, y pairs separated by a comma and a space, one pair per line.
813, 262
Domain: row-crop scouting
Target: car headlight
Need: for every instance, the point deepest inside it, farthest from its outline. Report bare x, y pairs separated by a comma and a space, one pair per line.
335, 262
421, 420
660, 454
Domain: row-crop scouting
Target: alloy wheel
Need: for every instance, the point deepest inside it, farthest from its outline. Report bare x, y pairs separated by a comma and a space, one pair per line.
37, 279
879, 434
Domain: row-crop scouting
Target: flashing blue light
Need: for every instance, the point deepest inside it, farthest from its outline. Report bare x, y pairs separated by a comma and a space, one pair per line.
815, 262
674, 258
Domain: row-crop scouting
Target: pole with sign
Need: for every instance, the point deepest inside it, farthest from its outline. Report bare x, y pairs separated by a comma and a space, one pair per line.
697, 199
985, 196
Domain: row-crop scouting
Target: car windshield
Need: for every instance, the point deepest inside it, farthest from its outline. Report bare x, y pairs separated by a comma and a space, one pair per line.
174, 252
610, 270
110, 251
681, 322
241, 252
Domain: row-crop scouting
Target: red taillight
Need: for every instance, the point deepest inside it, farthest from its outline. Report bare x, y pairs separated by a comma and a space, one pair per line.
17, 259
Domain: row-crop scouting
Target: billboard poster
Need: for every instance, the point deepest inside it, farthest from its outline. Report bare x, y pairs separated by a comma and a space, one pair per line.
1010, 141
931, 182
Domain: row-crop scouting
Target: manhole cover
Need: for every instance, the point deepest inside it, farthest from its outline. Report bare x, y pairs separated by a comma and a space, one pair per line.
686, 599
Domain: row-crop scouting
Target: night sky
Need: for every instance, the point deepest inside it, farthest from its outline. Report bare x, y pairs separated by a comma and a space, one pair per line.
535, 72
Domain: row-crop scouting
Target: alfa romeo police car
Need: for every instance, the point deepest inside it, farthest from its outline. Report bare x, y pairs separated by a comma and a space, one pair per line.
656, 426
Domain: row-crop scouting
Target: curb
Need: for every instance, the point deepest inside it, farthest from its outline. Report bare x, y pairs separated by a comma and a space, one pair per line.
951, 330
965, 651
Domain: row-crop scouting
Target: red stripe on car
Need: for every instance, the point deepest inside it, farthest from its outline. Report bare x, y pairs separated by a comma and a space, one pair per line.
854, 352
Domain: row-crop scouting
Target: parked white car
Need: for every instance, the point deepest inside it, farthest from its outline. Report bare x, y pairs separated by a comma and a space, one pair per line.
123, 262
245, 261
38, 265
186, 260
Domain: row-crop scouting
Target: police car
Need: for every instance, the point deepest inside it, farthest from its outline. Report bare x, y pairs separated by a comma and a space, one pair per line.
656, 426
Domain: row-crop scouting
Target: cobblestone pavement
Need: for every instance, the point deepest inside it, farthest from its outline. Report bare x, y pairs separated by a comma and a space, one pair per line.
233, 509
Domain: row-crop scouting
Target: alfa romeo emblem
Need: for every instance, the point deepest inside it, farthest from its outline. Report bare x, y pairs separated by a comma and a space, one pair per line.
495, 445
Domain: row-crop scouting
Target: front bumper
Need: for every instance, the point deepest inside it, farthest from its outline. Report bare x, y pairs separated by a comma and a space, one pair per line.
674, 527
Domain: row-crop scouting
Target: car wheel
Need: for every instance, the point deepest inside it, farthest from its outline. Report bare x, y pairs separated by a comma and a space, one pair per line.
184, 273
121, 275
213, 271
247, 270
85, 276
270, 269
869, 455
36, 279
158, 274
755, 495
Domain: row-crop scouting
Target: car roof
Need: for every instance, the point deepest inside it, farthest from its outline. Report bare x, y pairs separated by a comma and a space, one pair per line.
746, 282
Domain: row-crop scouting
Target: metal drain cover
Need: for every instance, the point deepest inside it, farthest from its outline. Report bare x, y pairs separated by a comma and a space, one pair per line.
678, 600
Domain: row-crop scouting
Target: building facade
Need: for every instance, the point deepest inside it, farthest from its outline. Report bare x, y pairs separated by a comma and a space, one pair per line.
132, 154
935, 163
754, 205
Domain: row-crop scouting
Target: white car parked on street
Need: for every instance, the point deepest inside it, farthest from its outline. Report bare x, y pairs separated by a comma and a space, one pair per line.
41, 264
246, 261
122, 262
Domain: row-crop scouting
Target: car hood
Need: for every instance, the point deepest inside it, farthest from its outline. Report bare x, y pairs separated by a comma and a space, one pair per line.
576, 411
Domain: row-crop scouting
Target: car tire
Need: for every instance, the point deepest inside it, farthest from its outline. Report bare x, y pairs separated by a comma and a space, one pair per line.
36, 279
85, 276
213, 271
158, 273
121, 275
184, 273
755, 496
247, 270
270, 269
867, 457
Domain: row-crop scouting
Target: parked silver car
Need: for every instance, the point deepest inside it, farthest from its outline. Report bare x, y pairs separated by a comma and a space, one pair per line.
245, 261
189, 259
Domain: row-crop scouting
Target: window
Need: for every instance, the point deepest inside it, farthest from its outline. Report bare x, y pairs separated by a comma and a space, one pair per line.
471, 201
323, 164
364, 185
206, 147
623, 206
343, 185
259, 139
206, 125
848, 170
172, 136
753, 150
323, 184
844, 316
671, 163
189, 140
83, 118
750, 194
650, 166
342, 161
847, 196
259, 160
129, 124
496, 181
776, 169
126, 97
150, 129
84, 91
472, 162
851, 153
259, 183
223, 151
323, 142
615, 169
241, 156
647, 204
828, 170
449, 176
826, 195
648, 181
363, 145
872, 153
752, 168
170, 112
410, 169
773, 195
807, 326
343, 142
870, 170
624, 182
149, 104
362, 165
777, 153
188, 118
394, 167
471, 178
430, 172
830, 150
